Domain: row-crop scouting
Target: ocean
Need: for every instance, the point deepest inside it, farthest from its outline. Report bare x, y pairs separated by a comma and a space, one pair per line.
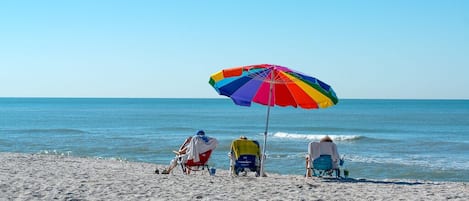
379, 139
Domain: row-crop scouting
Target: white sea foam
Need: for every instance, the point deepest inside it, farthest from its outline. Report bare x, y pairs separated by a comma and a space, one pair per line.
55, 152
316, 137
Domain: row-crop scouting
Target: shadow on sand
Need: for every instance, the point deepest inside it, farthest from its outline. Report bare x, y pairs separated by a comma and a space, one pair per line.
352, 180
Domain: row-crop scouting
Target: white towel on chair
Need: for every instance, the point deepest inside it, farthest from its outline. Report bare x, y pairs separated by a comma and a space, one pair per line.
198, 145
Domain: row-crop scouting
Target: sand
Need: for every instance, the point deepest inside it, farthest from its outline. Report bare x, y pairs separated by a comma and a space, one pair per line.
51, 177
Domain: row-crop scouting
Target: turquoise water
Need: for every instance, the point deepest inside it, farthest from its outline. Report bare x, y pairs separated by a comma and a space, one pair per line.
398, 139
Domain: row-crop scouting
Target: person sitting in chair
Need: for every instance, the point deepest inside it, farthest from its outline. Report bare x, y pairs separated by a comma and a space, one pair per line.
191, 148
326, 147
244, 156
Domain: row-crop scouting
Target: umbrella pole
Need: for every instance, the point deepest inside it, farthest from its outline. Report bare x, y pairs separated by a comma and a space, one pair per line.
263, 157
265, 141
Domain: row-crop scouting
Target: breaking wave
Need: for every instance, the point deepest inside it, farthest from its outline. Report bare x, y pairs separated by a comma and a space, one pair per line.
313, 137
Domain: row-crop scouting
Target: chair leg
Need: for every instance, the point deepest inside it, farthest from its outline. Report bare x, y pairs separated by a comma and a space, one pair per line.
182, 168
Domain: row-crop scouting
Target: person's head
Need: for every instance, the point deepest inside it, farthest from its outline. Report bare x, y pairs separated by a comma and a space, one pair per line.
243, 137
201, 133
326, 139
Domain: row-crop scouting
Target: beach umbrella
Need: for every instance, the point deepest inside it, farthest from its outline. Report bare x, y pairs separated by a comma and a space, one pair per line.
271, 85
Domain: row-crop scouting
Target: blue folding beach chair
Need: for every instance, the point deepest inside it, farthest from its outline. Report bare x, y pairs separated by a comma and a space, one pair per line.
245, 156
322, 165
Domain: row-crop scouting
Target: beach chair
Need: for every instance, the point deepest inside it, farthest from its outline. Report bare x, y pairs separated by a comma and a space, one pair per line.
198, 153
324, 159
244, 157
322, 166
200, 165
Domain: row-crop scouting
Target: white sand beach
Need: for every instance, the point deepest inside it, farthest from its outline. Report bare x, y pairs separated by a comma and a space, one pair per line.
49, 177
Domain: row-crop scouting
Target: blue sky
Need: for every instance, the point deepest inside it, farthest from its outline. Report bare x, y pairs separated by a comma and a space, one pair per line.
363, 49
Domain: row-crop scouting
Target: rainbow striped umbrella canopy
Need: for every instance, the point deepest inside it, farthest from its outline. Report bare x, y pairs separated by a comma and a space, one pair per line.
248, 84
271, 85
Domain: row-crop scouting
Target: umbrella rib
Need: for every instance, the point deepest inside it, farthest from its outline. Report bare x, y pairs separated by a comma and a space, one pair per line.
262, 76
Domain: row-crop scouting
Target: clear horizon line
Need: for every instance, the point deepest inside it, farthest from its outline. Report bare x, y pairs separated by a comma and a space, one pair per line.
221, 97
